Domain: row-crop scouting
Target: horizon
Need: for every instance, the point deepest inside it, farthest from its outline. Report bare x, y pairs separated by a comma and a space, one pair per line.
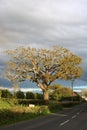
78, 85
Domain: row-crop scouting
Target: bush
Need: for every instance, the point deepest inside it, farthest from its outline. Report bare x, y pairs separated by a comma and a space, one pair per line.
70, 104
44, 110
70, 98
55, 106
30, 101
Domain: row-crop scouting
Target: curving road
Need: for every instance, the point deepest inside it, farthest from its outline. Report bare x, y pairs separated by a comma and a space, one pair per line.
69, 119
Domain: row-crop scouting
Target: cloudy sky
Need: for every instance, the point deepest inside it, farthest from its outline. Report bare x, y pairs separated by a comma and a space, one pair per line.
44, 23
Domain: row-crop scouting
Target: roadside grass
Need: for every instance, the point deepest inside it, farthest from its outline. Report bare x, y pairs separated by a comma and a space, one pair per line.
11, 111
8, 116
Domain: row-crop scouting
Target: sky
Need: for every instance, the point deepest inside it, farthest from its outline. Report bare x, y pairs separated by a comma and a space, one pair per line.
42, 24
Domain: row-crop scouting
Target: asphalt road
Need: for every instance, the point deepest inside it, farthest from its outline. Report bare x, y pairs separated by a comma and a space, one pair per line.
68, 119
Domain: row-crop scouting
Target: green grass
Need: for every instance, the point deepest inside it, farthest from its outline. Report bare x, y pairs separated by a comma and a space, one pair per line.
4, 104
8, 116
11, 111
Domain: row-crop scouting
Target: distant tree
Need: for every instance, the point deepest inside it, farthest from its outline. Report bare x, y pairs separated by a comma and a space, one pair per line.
72, 69
84, 92
39, 96
66, 92
42, 66
58, 91
20, 95
30, 95
6, 94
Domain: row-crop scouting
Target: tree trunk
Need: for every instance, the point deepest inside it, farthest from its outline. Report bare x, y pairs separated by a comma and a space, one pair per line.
45, 92
46, 96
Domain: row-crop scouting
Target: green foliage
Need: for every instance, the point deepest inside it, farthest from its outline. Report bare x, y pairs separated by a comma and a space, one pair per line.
56, 96
55, 106
44, 109
6, 94
42, 66
20, 95
4, 104
70, 104
31, 101
30, 95
58, 92
39, 96
8, 116
69, 98
11, 111
66, 91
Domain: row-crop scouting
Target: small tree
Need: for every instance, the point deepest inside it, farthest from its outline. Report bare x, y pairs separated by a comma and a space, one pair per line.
30, 95
6, 94
20, 95
42, 66
58, 91
72, 69
39, 96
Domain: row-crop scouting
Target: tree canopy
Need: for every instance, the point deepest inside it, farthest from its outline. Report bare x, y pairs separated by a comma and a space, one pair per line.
42, 66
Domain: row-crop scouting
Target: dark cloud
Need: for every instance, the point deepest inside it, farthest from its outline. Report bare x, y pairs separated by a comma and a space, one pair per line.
44, 24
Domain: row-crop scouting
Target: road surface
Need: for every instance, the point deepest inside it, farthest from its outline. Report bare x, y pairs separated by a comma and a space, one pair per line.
68, 119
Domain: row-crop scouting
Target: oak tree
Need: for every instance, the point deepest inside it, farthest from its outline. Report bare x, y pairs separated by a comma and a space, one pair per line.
42, 66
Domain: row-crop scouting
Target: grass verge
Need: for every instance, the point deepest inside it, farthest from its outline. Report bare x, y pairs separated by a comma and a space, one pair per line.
11, 112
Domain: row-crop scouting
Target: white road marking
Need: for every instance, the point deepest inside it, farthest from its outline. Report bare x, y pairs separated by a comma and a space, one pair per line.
73, 116
63, 123
78, 113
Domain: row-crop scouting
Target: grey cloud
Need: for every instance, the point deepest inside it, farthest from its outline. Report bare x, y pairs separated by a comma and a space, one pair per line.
2, 67
43, 24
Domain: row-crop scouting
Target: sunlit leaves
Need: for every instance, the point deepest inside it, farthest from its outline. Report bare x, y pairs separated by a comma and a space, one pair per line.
42, 66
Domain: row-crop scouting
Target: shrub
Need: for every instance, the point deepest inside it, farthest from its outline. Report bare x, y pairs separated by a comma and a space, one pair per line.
55, 106
44, 110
